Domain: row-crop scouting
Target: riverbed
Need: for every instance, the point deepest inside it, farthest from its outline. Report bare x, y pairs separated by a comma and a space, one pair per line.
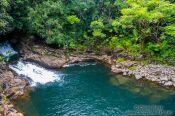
91, 89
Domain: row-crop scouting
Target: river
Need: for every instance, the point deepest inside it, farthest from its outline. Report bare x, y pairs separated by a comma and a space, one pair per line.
91, 89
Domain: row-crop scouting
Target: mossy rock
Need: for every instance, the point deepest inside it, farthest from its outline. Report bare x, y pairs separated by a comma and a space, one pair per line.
133, 68
120, 60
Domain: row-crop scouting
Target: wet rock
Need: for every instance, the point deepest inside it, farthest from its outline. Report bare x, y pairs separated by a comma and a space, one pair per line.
116, 70
153, 79
124, 73
47, 61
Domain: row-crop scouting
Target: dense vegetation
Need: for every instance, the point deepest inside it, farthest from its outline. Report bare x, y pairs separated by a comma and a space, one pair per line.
144, 27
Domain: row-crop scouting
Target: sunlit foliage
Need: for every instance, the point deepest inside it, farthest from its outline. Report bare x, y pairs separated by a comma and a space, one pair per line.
139, 27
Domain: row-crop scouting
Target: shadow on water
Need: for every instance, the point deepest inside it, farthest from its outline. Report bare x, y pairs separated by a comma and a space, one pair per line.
153, 91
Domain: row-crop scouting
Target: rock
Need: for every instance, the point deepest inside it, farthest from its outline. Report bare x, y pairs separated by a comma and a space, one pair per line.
17, 80
116, 70
174, 84
5, 85
128, 64
164, 78
173, 79
130, 73
124, 73
15, 114
12, 87
47, 61
10, 106
138, 76
107, 51
117, 51
118, 66
169, 83
154, 79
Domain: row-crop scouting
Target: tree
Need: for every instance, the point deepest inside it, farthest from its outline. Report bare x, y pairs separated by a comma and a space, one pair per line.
6, 21
146, 17
46, 20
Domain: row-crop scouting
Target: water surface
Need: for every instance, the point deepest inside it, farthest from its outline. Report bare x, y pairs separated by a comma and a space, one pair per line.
90, 89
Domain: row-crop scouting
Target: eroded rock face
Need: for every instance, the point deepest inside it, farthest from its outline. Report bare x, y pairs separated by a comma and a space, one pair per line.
47, 61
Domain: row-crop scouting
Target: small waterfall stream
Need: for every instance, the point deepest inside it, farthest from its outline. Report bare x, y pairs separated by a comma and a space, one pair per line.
7, 51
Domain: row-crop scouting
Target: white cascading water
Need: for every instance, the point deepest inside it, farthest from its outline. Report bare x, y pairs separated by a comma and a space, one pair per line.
6, 50
36, 73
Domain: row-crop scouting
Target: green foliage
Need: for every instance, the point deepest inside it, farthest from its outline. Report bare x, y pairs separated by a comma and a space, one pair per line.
133, 68
120, 60
115, 43
97, 27
170, 30
137, 26
1, 58
45, 20
73, 19
5, 18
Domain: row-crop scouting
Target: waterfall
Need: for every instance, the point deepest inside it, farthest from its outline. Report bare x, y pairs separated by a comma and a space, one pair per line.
36, 73
7, 51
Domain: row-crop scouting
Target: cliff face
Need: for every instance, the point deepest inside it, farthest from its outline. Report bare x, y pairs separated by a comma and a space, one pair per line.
11, 86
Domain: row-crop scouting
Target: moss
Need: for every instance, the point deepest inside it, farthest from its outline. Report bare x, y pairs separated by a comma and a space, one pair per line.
5, 99
34, 47
45, 53
120, 60
1, 58
133, 68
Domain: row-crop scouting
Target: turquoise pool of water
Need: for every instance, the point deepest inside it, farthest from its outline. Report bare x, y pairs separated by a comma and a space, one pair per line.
93, 90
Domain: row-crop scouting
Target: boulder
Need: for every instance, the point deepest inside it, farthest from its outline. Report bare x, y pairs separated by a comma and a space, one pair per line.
169, 83
138, 76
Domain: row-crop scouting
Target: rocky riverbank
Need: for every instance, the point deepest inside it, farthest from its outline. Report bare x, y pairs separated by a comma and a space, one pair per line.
13, 85
161, 74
